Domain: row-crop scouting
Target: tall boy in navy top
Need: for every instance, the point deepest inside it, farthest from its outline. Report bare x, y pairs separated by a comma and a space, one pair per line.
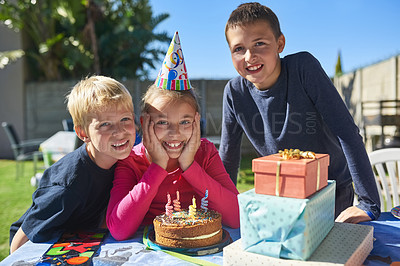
73, 193
291, 103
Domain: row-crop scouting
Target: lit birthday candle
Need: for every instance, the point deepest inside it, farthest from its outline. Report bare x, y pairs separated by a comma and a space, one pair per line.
168, 206
204, 201
192, 208
177, 204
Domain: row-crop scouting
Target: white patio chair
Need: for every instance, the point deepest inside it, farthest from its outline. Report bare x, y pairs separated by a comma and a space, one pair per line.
386, 166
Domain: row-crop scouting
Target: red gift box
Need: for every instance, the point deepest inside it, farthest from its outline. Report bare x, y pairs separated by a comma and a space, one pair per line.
294, 178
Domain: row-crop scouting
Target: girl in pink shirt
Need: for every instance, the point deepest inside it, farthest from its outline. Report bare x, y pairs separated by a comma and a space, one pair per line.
171, 158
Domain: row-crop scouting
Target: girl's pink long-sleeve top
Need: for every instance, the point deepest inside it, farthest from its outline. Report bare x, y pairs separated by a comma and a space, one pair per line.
140, 190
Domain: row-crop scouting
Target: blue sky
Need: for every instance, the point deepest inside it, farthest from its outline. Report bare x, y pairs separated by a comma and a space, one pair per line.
365, 32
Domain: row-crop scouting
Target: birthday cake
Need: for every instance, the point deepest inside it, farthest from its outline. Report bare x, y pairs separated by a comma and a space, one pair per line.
183, 230
192, 228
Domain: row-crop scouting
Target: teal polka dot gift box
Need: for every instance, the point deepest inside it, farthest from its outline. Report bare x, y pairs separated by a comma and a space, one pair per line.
285, 227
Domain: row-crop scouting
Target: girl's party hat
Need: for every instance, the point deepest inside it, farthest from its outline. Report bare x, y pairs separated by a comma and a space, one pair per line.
173, 73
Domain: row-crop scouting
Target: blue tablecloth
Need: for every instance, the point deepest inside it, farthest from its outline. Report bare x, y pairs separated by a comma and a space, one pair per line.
386, 240
133, 252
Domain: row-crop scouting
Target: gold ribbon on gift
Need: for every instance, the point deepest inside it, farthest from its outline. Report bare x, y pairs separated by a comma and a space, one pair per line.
278, 173
295, 154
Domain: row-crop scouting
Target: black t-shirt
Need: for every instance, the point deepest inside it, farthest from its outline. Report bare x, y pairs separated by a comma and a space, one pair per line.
72, 195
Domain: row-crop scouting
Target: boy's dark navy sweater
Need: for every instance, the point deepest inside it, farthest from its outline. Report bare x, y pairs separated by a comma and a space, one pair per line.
301, 110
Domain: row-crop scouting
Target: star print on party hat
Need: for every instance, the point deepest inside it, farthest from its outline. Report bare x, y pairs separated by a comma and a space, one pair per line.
173, 73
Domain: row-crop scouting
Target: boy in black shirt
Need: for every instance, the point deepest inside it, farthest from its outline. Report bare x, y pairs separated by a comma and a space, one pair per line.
73, 193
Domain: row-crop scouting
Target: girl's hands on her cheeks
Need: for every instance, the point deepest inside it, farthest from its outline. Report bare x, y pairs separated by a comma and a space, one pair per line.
151, 142
187, 156
353, 215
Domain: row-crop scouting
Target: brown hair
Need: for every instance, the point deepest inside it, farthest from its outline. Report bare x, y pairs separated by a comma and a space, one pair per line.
154, 94
249, 13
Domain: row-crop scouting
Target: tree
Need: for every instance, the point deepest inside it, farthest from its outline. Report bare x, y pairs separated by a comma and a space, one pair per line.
125, 38
44, 25
69, 39
10, 56
338, 68
37, 21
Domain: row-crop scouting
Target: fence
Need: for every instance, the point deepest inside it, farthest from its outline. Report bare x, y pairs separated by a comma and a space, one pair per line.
46, 107
372, 85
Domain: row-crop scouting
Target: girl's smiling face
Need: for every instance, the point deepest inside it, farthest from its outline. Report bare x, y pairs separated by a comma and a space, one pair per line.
255, 53
173, 125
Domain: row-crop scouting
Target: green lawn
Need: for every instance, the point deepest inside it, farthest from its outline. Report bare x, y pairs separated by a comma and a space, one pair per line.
15, 198
16, 195
246, 176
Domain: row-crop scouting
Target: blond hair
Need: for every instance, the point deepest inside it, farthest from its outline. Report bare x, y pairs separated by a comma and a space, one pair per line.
155, 94
92, 94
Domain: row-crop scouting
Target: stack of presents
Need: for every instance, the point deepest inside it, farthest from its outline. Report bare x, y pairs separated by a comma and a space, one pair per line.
288, 218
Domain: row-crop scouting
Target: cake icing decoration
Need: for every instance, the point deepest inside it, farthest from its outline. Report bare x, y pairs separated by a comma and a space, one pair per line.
183, 217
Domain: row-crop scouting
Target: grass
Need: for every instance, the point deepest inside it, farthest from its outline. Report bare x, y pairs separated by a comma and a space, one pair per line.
246, 175
16, 195
15, 198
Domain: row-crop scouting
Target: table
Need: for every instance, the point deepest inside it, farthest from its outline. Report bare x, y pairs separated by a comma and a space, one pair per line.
386, 240
133, 251
57, 146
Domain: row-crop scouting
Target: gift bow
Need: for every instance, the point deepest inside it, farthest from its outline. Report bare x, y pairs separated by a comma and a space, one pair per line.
296, 154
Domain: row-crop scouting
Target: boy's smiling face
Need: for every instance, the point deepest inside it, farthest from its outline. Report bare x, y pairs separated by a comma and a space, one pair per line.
110, 135
255, 53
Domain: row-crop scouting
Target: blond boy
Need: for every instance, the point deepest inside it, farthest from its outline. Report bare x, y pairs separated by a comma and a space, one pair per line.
74, 192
